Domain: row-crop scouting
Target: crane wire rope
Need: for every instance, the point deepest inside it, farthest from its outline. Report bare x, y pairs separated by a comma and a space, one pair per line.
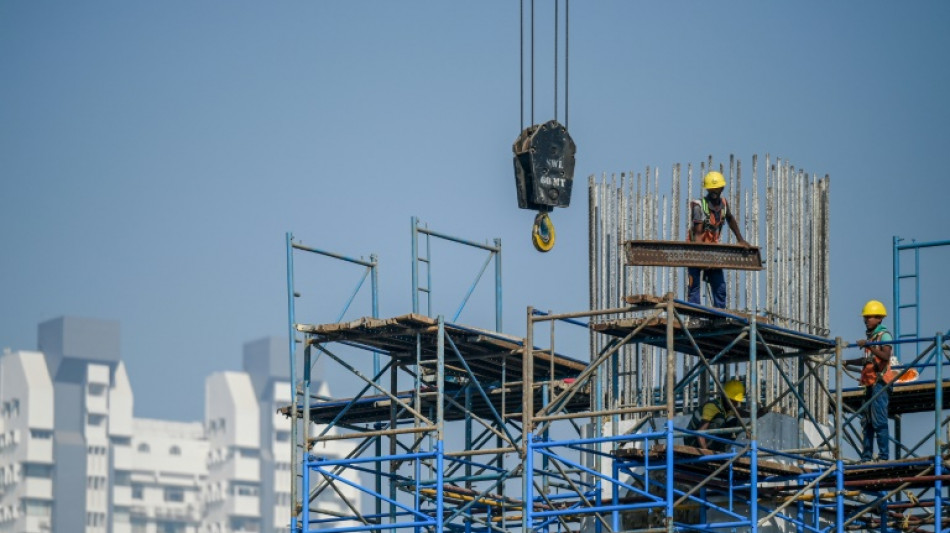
542, 232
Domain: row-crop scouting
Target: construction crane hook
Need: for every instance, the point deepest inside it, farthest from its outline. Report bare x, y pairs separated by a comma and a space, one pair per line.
544, 175
542, 233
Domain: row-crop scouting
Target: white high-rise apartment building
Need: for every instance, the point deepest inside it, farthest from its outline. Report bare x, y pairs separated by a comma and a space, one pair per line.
74, 459
26, 443
232, 418
162, 493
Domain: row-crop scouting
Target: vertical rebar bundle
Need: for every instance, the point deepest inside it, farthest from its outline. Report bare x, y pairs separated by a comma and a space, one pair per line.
794, 242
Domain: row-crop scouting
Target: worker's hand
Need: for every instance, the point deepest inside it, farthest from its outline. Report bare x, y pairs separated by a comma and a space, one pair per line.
861, 343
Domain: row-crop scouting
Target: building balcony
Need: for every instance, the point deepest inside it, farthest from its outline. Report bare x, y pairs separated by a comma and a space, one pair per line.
122, 495
246, 506
38, 524
186, 513
39, 451
37, 488
244, 469
97, 405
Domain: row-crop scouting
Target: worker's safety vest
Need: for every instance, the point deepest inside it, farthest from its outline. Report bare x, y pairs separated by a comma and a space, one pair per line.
697, 419
713, 220
871, 374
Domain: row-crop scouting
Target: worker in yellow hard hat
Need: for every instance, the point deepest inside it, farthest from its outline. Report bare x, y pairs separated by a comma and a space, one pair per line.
876, 376
717, 414
708, 216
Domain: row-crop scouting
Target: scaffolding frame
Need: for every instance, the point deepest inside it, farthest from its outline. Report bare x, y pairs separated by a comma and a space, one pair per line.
555, 425
302, 394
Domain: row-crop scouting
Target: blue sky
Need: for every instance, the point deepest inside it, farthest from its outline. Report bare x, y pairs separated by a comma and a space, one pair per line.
153, 154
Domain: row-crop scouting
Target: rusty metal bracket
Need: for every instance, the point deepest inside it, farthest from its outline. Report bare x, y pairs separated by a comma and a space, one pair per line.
692, 254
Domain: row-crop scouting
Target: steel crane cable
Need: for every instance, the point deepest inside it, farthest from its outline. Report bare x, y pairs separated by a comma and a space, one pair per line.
542, 232
567, 65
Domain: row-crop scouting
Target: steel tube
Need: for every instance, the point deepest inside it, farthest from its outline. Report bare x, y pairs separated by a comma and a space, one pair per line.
362, 262
292, 347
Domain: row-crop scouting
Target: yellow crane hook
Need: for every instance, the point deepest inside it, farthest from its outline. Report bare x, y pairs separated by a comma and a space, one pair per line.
542, 233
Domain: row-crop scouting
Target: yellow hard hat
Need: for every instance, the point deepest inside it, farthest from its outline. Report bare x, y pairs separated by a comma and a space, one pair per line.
714, 180
734, 389
874, 308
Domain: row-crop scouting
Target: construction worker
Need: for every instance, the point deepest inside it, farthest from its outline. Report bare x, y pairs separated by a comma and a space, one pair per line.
876, 376
717, 414
708, 216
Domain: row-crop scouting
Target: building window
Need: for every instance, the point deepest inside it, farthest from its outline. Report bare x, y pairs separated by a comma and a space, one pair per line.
41, 434
170, 527
120, 515
241, 489
138, 492
144, 448
37, 470
250, 453
174, 450
174, 494
96, 389
95, 420
139, 525
38, 508
282, 436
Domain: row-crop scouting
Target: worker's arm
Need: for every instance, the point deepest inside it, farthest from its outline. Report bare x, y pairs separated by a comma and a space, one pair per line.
696, 232
702, 440
734, 226
882, 354
856, 362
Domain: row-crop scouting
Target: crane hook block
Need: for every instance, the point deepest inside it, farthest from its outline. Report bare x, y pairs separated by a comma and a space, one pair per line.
542, 233
544, 167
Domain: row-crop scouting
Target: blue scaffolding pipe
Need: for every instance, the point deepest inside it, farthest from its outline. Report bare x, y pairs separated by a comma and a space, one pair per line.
360, 488
867, 403
334, 519
292, 347
573, 321
596, 440
353, 402
473, 463
897, 276
792, 387
478, 386
692, 373
912, 340
938, 444
379, 459
501, 479
359, 285
582, 468
373, 527
471, 288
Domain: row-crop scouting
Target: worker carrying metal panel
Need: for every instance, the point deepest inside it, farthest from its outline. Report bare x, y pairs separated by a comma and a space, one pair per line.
544, 175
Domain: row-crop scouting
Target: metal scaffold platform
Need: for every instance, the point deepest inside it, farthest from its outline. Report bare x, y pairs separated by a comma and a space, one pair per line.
462, 428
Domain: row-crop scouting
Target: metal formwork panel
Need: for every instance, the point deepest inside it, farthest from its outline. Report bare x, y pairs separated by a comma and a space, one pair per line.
691, 254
